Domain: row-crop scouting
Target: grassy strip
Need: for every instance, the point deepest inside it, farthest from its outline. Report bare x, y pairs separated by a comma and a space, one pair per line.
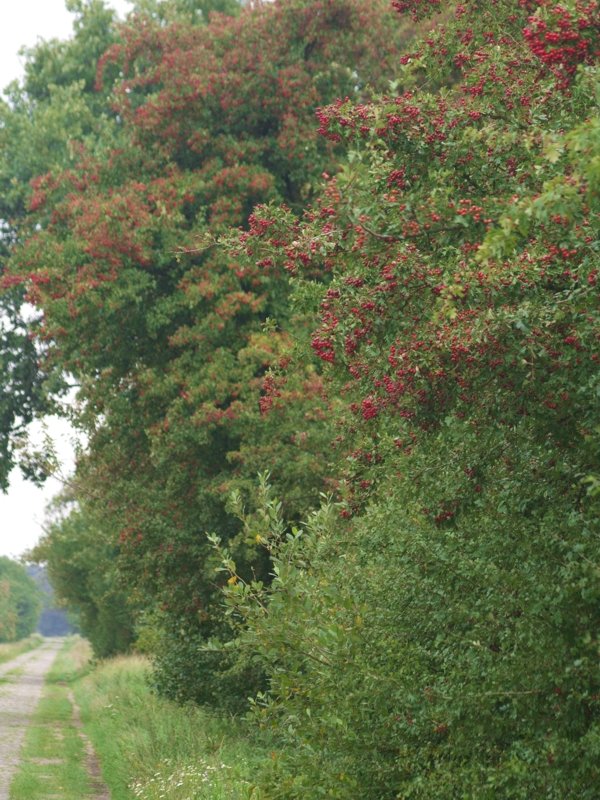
10, 650
53, 758
151, 749
9, 677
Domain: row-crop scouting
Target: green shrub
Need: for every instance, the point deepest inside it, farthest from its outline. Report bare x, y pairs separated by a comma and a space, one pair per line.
408, 659
186, 669
81, 567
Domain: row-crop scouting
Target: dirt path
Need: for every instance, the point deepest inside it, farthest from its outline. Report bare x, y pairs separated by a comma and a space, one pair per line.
18, 699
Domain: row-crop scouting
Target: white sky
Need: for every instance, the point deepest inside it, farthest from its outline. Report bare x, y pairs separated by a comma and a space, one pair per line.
24, 22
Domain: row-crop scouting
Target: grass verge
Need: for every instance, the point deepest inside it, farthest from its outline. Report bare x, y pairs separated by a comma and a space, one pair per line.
151, 748
53, 757
10, 650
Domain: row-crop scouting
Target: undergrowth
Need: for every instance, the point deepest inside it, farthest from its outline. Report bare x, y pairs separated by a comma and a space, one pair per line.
151, 748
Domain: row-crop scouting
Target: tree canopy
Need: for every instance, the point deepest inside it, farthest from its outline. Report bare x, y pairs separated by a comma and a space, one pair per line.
168, 339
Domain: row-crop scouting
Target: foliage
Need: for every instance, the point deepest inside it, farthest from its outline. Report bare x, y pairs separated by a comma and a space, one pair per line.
173, 751
414, 329
438, 640
20, 602
421, 662
171, 340
190, 12
79, 560
463, 249
44, 121
41, 120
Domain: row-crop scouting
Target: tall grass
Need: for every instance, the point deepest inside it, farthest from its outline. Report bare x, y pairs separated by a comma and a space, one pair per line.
151, 748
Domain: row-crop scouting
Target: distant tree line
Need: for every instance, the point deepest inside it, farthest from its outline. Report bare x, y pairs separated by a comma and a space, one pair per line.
20, 601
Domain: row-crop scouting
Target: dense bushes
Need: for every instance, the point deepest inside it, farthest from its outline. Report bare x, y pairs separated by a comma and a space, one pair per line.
423, 660
169, 338
440, 639
414, 330
79, 558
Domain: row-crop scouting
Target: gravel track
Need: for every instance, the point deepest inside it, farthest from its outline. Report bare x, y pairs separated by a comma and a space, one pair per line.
18, 699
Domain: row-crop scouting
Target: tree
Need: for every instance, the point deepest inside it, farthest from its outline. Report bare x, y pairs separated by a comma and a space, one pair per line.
43, 122
170, 341
40, 122
438, 638
20, 602
79, 559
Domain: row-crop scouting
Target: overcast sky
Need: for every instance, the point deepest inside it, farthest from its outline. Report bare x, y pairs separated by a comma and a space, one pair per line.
25, 22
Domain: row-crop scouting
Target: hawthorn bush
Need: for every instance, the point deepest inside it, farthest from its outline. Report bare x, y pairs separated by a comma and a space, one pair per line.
439, 638
461, 242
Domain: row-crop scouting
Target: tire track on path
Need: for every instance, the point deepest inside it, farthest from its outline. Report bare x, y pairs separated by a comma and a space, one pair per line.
18, 699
